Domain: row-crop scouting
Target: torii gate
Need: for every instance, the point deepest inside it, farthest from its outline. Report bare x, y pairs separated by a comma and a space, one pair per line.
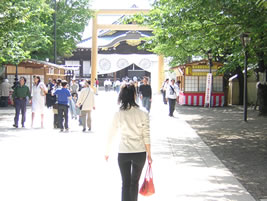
96, 26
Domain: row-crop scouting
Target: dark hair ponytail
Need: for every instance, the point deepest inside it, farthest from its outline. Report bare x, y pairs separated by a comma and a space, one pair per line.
39, 80
127, 97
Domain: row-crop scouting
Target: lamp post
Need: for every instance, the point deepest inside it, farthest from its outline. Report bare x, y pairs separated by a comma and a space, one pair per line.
55, 32
15, 84
245, 41
210, 71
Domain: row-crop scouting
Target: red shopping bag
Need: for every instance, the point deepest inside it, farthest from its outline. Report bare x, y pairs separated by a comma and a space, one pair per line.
148, 188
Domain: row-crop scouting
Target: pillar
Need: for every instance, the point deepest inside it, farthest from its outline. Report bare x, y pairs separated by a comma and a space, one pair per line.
94, 52
161, 75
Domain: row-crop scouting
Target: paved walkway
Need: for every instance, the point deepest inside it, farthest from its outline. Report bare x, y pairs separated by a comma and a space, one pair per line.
46, 165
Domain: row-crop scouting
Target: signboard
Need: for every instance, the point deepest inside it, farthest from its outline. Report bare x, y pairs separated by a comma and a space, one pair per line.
208, 90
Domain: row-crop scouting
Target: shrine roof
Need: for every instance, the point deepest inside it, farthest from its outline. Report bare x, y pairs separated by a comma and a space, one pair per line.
107, 40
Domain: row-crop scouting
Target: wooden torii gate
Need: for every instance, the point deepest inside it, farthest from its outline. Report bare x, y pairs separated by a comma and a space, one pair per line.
96, 26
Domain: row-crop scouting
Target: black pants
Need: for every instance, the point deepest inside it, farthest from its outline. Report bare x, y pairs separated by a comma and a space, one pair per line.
20, 106
164, 97
131, 166
4, 101
63, 115
172, 103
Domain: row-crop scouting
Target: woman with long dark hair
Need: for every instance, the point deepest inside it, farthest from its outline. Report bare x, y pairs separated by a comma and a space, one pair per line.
133, 125
39, 90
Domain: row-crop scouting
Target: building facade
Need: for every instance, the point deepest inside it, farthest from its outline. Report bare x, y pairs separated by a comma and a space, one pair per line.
119, 56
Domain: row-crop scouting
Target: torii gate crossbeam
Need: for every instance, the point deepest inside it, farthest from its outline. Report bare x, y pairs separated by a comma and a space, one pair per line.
96, 26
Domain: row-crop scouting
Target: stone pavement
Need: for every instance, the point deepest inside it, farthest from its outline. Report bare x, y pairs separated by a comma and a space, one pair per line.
46, 165
241, 146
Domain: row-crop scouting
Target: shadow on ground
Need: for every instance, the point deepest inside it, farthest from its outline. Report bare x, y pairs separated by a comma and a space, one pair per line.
241, 146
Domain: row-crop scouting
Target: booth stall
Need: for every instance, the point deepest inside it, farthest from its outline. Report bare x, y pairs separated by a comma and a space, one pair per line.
193, 77
30, 67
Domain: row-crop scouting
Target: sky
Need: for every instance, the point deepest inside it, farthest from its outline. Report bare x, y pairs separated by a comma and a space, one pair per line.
113, 4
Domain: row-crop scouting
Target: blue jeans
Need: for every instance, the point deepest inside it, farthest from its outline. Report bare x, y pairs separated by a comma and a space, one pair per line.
146, 103
20, 105
72, 108
131, 166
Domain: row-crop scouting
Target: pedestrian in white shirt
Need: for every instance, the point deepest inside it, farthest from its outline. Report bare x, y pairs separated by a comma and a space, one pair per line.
5, 89
172, 94
39, 91
86, 100
163, 89
133, 125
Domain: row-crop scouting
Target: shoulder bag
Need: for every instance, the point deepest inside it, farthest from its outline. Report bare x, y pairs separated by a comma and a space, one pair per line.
84, 100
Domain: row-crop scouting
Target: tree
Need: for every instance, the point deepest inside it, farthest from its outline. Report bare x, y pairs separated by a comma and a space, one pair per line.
21, 29
26, 28
186, 28
72, 16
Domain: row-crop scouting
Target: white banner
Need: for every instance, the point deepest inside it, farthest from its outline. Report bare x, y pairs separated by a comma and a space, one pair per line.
109, 63
208, 90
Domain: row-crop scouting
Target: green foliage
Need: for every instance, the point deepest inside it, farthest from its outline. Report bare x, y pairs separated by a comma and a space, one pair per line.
71, 20
27, 28
21, 28
186, 28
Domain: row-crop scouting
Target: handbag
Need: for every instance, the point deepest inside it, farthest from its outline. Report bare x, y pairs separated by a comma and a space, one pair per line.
147, 187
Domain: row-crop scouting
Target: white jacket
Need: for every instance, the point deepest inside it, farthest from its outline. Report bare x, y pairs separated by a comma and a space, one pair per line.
133, 127
87, 98
172, 91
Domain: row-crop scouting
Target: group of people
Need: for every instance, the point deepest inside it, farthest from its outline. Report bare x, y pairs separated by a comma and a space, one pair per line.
58, 94
131, 122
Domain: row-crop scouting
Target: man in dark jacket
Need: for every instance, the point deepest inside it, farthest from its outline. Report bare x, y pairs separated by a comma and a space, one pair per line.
21, 92
146, 94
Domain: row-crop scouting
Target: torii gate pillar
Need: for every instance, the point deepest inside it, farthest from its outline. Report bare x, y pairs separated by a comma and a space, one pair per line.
94, 52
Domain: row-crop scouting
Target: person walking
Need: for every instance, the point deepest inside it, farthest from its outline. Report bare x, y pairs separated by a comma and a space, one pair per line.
117, 85
134, 127
63, 94
146, 94
74, 87
54, 102
49, 98
5, 89
86, 101
39, 91
172, 94
163, 89
21, 92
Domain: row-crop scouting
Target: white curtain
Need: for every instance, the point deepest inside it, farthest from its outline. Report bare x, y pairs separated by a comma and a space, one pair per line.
109, 63
86, 68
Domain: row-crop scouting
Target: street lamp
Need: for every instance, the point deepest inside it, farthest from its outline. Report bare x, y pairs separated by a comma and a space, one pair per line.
245, 41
